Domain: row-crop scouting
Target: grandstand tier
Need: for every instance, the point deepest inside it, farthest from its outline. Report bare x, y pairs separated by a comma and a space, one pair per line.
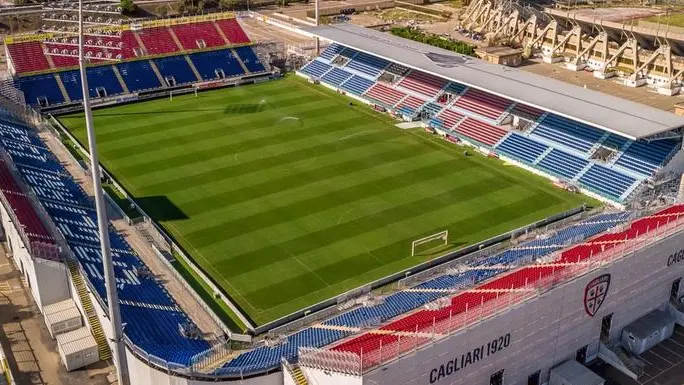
27, 57
558, 146
139, 75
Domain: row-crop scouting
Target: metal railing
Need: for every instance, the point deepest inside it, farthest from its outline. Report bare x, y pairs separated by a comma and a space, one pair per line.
408, 342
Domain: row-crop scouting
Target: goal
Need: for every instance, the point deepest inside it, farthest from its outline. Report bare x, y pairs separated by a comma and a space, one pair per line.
442, 235
182, 91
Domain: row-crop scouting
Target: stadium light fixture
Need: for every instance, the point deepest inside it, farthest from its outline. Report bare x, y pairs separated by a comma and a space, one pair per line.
99, 15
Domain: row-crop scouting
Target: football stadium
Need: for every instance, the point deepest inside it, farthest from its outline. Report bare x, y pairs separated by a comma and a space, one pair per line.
388, 212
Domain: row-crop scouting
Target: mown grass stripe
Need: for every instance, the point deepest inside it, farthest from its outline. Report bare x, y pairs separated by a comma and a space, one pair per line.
278, 187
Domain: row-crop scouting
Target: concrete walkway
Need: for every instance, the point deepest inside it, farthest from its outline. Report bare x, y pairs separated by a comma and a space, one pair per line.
32, 354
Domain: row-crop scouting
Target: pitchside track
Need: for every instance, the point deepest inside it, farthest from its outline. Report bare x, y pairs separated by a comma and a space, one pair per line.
286, 195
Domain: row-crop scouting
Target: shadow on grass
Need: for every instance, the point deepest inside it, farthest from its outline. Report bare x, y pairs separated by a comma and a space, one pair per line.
161, 208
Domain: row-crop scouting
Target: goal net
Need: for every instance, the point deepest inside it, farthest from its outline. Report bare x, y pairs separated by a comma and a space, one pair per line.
429, 241
182, 91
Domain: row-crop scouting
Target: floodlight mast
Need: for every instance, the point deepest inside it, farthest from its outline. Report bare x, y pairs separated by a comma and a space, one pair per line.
318, 42
119, 350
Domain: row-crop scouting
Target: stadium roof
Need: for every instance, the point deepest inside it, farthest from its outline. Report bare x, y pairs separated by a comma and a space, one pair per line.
609, 113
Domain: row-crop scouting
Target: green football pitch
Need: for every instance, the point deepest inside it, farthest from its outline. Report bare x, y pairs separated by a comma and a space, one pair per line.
286, 195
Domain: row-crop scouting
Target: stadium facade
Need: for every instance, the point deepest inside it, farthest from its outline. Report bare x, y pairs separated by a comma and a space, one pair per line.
499, 319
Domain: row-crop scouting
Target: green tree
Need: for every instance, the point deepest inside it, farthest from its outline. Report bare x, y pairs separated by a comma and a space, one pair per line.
232, 4
128, 7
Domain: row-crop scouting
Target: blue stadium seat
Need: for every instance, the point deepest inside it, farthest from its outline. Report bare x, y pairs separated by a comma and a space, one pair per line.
331, 51
336, 76
207, 64
150, 316
521, 148
367, 64
103, 77
562, 164
138, 75
615, 141
606, 181
267, 357
176, 67
316, 68
578, 136
40, 86
357, 85
250, 59
432, 109
455, 88
645, 157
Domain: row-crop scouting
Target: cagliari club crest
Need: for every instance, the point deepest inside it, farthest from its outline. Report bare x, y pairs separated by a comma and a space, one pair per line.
595, 293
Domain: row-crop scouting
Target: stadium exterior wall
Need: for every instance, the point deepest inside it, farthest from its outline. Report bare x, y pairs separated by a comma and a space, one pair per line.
143, 374
547, 330
320, 376
52, 276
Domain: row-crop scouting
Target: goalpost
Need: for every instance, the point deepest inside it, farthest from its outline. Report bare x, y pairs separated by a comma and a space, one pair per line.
443, 235
180, 92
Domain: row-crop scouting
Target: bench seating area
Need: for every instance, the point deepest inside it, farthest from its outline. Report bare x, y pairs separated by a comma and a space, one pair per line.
233, 31
138, 75
646, 157
331, 51
559, 146
481, 131
575, 135
447, 119
207, 64
151, 315
336, 76
30, 56
250, 59
410, 105
31, 224
158, 41
424, 320
357, 85
562, 164
175, 67
423, 83
482, 103
98, 77
189, 35
521, 148
316, 69
527, 112
607, 181
40, 86
384, 95
367, 64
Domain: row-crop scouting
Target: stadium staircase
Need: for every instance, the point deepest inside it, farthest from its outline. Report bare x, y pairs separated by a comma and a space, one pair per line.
93, 321
60, 84
140, 42
156, 72
221, 33
239, 60
296, 373
122, 83
51, 62
176, 40
193, 68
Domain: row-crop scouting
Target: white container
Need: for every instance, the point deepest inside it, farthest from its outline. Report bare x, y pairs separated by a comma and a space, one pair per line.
62, 317
59, 306
77, 349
